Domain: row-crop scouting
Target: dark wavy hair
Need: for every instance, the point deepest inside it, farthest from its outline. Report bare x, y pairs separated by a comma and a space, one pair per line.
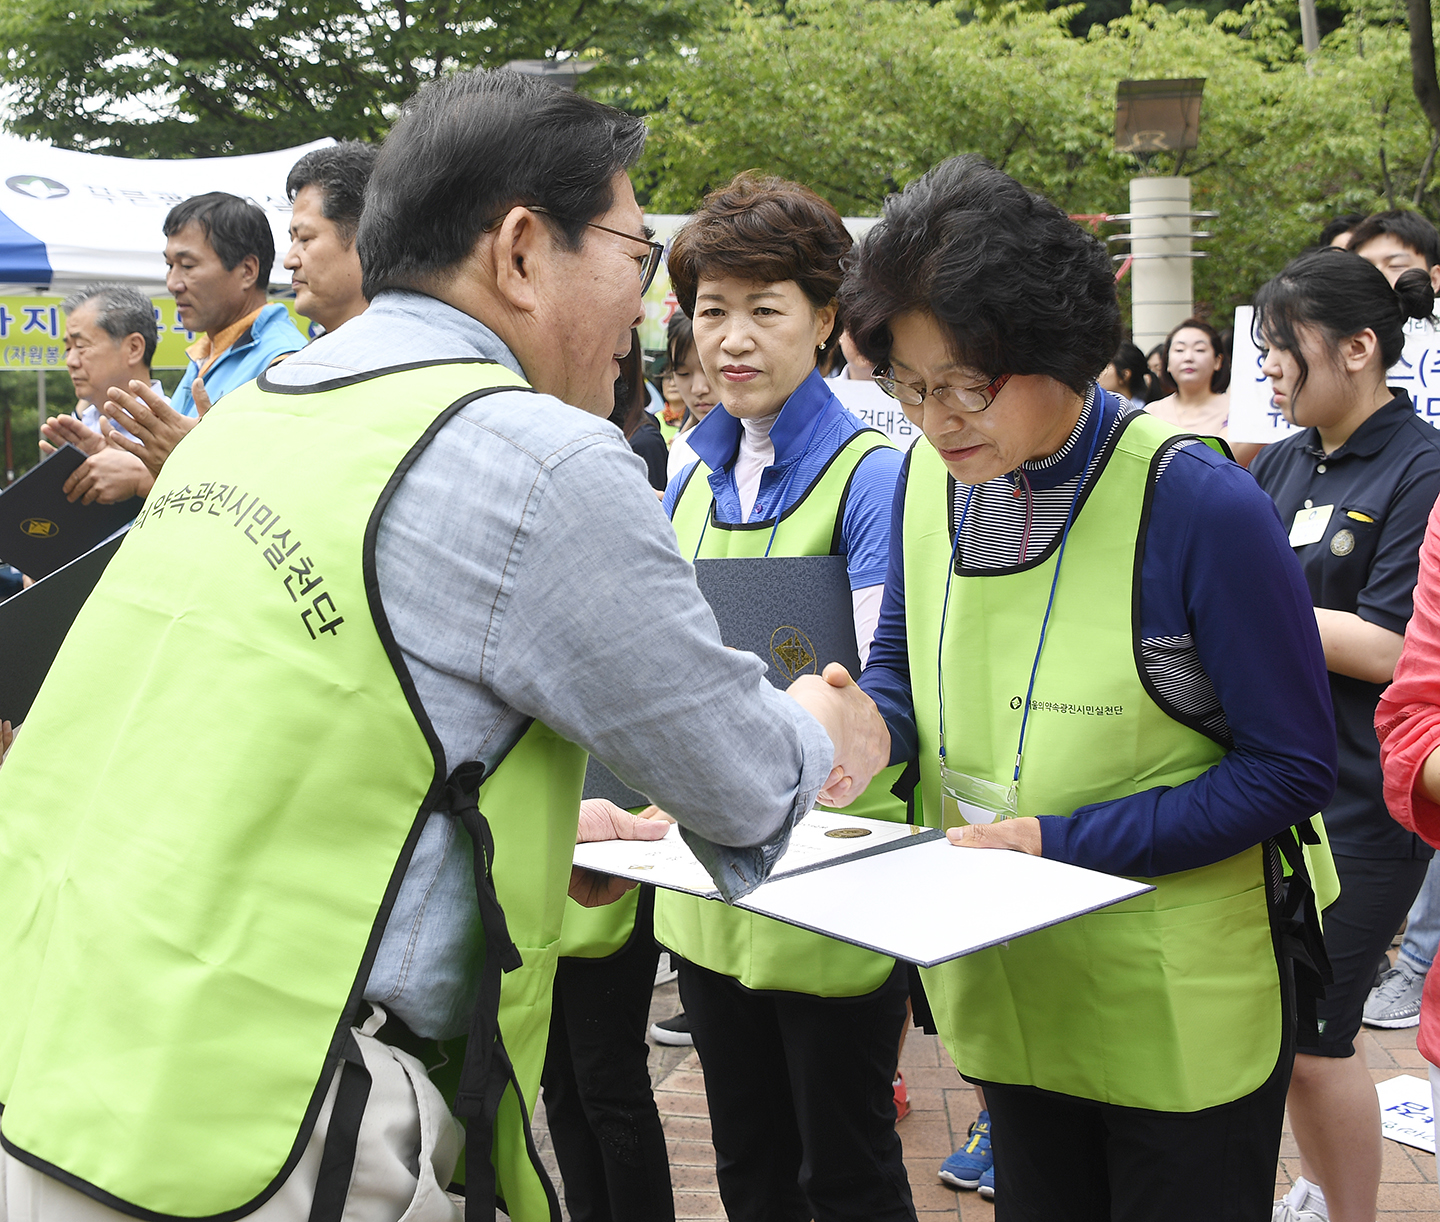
234, 227
1337, 293
1220, 379
340, 172
764, 229
467, 149
1015, 284
679, 337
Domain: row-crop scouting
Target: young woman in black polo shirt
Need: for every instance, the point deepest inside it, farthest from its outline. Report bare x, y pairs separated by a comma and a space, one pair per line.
1354, 489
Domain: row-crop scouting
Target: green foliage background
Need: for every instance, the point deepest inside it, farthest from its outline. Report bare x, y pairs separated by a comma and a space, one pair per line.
854, 97
859, 97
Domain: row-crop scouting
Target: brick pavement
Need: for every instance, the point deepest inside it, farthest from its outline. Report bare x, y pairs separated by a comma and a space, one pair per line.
942, 1107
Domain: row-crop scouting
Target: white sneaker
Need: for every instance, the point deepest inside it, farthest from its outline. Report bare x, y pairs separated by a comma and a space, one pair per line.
1285, 1212
1395, 1001
1294, 1206
664, 972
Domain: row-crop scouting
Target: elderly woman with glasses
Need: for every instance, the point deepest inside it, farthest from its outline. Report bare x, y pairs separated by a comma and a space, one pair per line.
1099, 648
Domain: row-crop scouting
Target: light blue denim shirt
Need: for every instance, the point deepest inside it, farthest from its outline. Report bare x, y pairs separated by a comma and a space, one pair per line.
528, 570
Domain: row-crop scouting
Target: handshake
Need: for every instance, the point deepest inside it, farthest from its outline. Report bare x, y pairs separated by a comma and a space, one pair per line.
856, 729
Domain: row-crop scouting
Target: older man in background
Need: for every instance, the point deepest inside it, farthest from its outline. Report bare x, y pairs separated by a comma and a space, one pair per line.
110, 340
327, 190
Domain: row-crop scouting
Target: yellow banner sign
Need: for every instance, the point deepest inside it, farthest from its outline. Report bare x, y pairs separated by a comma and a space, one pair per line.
32, 333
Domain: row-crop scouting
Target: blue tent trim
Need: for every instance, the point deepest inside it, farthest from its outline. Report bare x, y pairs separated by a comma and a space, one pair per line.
23, 257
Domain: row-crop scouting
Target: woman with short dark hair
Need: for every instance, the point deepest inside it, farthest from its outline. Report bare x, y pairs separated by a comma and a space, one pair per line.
797, 1033
1157, 709
1355, 487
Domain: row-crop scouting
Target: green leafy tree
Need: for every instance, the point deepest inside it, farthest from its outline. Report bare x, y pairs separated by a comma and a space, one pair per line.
857, 98
206, 77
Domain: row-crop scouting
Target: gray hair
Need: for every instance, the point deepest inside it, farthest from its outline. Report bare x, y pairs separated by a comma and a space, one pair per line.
120, 311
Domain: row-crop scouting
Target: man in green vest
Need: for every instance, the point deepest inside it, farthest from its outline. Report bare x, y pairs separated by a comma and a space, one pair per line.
380, 596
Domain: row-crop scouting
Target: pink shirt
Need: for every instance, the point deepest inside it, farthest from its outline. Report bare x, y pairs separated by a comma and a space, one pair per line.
1407, 723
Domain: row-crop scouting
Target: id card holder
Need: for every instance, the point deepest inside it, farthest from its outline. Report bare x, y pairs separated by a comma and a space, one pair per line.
1310, 524
967, 799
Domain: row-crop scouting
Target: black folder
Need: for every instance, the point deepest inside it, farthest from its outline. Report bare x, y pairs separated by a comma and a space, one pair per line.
33, 625
793, 612
40, 530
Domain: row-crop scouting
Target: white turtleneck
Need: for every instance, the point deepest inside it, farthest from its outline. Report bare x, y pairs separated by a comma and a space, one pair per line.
757, 452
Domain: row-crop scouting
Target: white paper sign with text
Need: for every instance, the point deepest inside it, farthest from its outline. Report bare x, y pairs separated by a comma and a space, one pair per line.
1254, 418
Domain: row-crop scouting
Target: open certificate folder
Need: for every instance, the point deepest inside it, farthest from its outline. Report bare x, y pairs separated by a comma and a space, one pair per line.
904, 891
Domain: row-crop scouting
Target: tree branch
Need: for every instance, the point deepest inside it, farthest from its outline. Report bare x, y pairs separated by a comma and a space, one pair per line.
1422, 61
1426, 168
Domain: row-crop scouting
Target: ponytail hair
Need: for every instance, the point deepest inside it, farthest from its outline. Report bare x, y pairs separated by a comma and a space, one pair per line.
1338, 294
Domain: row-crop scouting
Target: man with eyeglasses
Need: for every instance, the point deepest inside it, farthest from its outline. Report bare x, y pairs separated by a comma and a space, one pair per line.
392, 573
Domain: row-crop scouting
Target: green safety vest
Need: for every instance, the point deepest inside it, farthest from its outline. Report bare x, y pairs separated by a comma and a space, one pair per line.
1169, 1001
760, 952
188, 921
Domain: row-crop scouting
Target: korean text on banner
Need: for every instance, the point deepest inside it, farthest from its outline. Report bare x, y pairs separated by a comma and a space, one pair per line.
32, 333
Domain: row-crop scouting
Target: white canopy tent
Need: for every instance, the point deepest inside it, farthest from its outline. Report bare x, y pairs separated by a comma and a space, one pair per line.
68, 218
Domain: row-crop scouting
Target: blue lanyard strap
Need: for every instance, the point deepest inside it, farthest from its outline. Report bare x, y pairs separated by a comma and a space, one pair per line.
1049, 605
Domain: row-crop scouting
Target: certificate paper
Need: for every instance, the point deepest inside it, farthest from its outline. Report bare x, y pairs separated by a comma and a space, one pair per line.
908, 893
819, 839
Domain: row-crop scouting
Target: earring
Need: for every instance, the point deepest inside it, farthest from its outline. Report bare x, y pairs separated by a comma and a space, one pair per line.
822, 348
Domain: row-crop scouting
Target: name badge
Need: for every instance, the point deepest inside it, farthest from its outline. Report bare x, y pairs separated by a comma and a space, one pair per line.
1310, 524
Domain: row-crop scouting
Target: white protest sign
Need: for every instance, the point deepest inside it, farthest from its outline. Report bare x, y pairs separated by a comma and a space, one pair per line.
875, 408
1406, 1112
1254, 418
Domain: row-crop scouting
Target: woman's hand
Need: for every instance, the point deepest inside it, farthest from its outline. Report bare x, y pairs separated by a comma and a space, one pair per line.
1019, 835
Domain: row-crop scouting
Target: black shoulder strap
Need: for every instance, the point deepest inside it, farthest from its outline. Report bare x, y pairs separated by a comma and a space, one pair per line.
487, 1070
1298, 931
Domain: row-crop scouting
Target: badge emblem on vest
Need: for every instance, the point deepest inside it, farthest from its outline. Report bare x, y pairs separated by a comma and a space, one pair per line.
39, 528
1342, 544
792, 652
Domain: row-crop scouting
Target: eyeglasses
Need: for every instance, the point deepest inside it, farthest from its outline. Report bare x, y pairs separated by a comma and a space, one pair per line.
649, 262
957, 398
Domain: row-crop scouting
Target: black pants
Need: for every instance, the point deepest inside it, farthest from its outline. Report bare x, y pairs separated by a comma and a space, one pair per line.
1375, 895
802, 1108
598, 1102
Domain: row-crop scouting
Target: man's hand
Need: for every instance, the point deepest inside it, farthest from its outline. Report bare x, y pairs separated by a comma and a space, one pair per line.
144, 413
7, 739
66, 430
602, 820
858, 732
108, 477
1021, 835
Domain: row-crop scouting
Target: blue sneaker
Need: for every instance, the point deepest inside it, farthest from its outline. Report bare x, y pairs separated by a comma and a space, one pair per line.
987, 1183
972, 1162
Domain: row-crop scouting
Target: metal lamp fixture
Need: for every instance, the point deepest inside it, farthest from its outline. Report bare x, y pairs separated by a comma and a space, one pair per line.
1158, 116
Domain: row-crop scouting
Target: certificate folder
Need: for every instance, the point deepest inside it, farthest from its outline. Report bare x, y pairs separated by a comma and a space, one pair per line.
34, 623
902, 891
40, 531
793, 612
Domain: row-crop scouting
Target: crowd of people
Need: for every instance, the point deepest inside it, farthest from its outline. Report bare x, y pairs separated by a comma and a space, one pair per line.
299, 921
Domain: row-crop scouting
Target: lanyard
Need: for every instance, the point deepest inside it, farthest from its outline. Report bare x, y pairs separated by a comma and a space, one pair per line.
779, 500
1044, 623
